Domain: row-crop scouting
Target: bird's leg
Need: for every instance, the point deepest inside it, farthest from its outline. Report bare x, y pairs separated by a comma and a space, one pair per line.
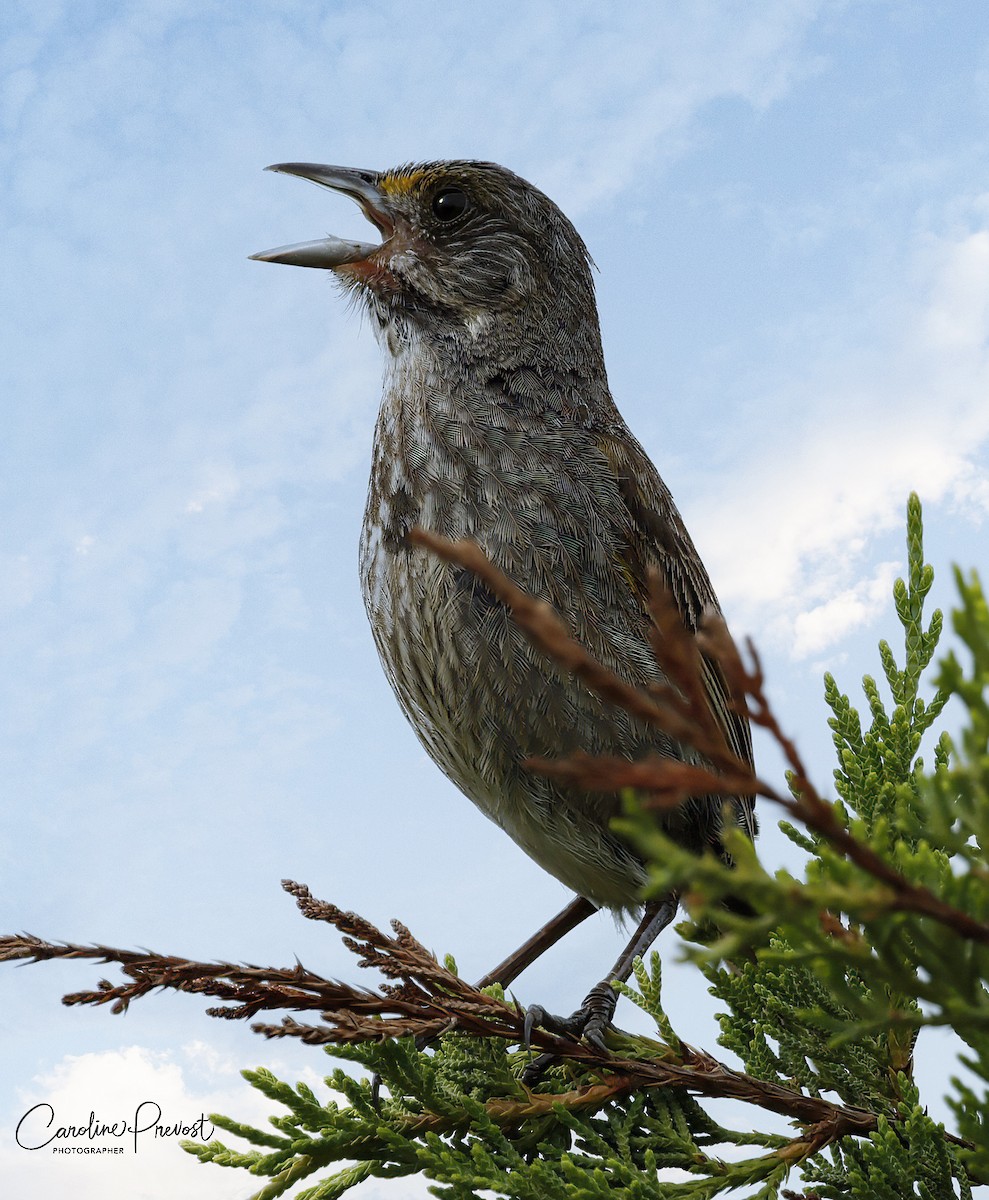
557, 927
594, 1016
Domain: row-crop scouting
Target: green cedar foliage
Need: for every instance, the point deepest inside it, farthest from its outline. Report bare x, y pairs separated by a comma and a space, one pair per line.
823, 996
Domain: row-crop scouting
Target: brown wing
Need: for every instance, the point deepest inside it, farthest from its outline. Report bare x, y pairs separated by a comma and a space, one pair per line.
660, 540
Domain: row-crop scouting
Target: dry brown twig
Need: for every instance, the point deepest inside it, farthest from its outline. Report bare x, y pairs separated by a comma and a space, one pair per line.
429, 1000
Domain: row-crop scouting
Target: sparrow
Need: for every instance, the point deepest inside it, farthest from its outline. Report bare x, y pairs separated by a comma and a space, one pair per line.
497, 425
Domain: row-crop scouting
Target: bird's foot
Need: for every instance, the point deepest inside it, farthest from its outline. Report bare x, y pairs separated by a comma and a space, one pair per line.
589, 1022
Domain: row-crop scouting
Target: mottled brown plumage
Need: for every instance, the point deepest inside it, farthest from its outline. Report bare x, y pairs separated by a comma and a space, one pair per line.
497, 425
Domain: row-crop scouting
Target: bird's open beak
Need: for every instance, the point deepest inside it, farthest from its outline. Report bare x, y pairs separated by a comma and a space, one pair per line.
331, 252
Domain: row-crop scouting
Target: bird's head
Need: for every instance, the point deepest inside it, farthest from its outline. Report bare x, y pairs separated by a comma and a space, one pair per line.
465, 246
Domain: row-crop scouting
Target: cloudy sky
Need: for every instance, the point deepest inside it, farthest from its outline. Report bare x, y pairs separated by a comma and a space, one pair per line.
788, 204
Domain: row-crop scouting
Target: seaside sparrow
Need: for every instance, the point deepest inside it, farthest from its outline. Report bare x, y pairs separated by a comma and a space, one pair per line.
497, 425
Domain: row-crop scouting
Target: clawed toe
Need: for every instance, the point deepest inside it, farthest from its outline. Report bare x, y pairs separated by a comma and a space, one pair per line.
590, 1022
536, 1017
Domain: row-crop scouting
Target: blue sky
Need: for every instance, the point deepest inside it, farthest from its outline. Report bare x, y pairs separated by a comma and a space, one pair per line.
788, 205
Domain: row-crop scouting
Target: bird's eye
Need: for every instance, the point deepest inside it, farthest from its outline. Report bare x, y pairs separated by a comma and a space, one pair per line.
449, 204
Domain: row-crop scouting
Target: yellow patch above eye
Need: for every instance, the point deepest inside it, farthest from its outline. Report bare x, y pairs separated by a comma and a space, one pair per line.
401, 183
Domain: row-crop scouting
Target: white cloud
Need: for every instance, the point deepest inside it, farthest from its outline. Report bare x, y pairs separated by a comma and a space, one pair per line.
660, 64
450, 88
826, 623
221, 486
899, 403
113, 1084
957, 318
185, 1086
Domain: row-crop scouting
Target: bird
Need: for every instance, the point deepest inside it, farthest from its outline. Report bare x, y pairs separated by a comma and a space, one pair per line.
497, 425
